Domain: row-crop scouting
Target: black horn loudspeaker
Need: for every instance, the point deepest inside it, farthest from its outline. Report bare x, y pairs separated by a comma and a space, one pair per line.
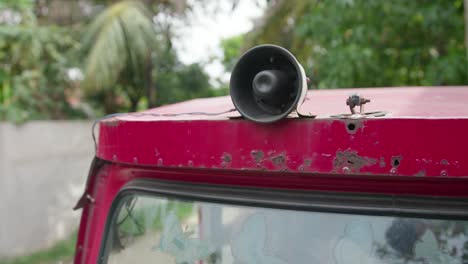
267, 83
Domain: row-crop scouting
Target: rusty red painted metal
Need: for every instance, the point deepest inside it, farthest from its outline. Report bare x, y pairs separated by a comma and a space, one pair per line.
112, 177
404, 142
419, 148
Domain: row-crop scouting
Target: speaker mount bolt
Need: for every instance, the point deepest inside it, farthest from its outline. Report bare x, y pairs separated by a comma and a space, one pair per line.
356, 100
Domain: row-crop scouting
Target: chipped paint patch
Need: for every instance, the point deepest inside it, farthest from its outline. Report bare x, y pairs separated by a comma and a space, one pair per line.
349, 161
226, 160
305, 164
382, 162
444, 162
257, 156
421, 173
279, 160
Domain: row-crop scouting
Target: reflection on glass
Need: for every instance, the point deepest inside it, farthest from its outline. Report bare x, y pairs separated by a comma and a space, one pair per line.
158, 230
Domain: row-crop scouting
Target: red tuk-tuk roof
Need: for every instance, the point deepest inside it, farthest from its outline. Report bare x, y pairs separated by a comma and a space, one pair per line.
399, 102
422, 134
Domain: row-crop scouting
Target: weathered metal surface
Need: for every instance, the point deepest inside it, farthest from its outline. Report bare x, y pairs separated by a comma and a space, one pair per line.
112, 177
407, 102
379, 146
417, 149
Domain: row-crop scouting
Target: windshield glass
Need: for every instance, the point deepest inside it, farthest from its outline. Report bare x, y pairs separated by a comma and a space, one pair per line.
158, 230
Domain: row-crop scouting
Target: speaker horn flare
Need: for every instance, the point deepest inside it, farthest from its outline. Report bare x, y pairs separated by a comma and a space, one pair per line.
267, 84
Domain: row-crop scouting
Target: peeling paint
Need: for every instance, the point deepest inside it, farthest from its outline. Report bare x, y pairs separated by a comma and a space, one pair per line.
352, 161
421, 173
427, 161
382, 162
226, 157
346, 170
226, 160
305, 164
257, 156
279, 160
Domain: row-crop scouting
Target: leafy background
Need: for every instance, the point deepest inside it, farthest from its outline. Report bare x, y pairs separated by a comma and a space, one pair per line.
86, 58
124, 60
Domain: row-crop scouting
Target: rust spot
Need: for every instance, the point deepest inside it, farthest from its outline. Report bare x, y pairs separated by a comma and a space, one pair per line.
382, 162
427, 161
444, 162
226, 157
420, 173
257, 155
305, 164
444, 173
396, 161
351, 161
279, 160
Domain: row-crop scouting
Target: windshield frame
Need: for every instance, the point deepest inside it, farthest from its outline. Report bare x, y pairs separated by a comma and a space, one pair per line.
313, 201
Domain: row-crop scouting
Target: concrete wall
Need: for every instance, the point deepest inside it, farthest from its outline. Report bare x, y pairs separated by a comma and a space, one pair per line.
43, 168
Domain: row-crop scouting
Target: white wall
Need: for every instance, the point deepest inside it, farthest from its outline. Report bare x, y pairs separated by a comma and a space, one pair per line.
43, 168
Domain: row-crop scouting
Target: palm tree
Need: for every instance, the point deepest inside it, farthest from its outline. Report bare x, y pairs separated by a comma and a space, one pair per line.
120, 42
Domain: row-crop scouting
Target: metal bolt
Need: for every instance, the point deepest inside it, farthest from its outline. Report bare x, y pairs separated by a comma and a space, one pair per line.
356, 100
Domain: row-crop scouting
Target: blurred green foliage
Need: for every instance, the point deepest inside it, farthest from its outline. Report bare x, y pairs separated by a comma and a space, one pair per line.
58, 61
123, 58
119, 43
231, 51
369, 43
33, 65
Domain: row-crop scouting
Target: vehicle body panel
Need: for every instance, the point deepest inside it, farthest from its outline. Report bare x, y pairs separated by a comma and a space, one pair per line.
417, 149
